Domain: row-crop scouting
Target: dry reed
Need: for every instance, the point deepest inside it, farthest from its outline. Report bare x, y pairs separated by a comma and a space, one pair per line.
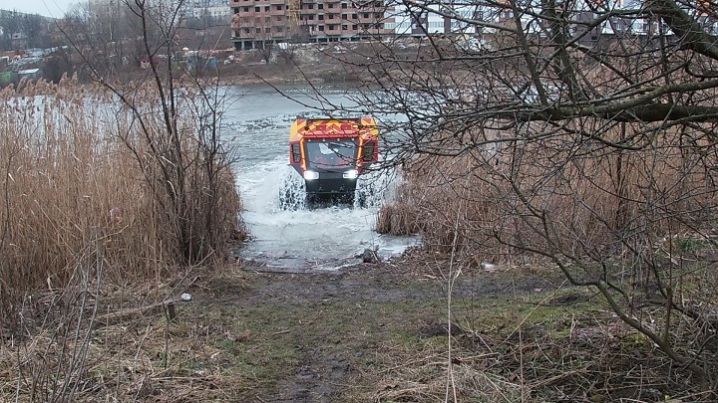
642, 220
68, 176
596, 199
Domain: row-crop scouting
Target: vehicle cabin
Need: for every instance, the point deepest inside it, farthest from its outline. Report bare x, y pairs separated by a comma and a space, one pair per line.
331, 154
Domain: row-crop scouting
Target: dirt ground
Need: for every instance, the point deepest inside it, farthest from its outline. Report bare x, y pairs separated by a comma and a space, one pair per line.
378, 332
335, 323
366, 333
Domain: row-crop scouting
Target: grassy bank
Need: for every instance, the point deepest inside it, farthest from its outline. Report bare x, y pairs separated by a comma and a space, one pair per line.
371, 333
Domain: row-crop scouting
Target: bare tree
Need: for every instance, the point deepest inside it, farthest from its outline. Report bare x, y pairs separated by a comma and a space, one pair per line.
171, 123
580, 132
266, 43
287, 52
105, 33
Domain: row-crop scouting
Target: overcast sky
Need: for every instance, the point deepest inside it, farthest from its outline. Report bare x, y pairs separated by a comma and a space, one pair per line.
49, 8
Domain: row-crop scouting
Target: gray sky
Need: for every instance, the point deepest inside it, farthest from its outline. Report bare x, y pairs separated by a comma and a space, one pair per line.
49, 8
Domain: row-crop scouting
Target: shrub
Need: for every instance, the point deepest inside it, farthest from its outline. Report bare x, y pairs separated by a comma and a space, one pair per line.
637, 225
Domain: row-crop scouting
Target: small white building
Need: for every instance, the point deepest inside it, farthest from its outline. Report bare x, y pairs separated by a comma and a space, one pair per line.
31, 74
214, 12
430, 19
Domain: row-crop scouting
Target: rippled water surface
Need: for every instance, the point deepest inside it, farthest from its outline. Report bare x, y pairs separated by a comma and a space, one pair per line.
325, 238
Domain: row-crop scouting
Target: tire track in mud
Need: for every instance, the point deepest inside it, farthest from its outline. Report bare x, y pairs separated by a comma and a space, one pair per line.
328, 361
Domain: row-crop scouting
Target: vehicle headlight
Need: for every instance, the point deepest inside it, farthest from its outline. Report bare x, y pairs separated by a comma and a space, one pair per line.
311, 175
351, 174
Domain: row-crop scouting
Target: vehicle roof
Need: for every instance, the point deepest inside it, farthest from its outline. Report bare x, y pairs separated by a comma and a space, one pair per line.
334, 128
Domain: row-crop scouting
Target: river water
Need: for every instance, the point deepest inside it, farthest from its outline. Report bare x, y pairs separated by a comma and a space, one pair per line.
257, 125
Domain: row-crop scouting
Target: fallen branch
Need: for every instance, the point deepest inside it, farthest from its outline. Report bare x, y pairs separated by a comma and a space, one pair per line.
113, 318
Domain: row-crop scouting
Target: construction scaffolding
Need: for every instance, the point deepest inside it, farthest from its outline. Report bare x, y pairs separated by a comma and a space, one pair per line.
294, 7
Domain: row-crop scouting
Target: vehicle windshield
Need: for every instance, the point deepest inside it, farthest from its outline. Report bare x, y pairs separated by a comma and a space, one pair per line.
331, 154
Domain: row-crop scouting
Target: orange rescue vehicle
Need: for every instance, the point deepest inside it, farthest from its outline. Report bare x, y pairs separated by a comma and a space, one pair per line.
331, 154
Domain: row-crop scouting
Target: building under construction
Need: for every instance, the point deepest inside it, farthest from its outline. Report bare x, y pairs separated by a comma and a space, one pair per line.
259, 23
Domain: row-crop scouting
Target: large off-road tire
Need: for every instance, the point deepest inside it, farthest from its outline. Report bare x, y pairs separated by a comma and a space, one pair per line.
370, 189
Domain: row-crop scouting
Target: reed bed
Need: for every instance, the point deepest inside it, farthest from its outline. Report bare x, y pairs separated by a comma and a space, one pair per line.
78, 175
596, 200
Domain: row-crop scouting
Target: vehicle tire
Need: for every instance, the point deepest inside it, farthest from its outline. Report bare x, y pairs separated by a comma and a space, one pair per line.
350, 198
312, 201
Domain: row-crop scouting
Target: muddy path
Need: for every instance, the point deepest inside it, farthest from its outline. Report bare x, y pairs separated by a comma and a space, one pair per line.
333, 322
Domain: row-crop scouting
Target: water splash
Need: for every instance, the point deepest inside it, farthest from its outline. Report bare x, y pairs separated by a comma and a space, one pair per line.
299, 238
286, 234
292, 193
375, 187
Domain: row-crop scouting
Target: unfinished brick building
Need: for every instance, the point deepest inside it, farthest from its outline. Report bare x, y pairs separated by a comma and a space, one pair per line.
258, 23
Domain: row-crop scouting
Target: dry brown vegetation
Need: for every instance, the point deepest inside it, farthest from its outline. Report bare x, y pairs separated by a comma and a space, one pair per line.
635, 221
79, 185
594, 153
80, 354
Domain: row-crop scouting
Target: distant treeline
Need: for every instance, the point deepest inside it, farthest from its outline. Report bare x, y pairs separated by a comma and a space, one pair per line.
25, 31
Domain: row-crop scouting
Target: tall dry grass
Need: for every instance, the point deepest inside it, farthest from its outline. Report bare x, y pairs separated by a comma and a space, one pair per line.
69, 178
637, 221
595, 199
